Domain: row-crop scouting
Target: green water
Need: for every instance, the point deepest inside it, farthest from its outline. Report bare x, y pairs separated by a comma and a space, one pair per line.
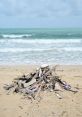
44, 33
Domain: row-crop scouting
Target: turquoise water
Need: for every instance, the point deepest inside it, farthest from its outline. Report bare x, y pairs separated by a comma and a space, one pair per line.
38, 46
42, 33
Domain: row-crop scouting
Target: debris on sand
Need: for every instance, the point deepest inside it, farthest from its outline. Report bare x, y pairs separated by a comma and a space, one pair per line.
40, 80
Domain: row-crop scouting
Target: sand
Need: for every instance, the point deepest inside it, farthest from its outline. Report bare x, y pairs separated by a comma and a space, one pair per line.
15, 105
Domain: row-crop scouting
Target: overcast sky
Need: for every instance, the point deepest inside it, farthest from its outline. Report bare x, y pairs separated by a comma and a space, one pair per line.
40, 13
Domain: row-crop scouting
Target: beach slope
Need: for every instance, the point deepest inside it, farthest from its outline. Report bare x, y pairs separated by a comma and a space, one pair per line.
16, 105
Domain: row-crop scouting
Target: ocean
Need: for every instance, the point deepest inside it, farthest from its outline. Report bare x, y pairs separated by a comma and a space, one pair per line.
41, 46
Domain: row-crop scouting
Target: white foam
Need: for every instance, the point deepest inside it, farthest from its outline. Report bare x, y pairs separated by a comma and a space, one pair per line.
12, 36
41, 41
22, 50
73, 49
16, 50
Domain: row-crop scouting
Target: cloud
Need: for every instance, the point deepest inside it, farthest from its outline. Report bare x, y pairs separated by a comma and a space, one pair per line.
76, 7
40, 8
40, 13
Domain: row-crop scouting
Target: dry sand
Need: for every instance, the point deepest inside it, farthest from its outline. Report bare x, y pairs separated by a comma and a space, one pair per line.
14, 105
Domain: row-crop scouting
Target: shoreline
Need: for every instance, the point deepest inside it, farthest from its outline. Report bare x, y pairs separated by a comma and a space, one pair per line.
34, 65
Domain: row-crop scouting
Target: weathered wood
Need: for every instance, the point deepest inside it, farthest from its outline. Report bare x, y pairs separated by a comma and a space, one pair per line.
58, 95
43, 79
8, 87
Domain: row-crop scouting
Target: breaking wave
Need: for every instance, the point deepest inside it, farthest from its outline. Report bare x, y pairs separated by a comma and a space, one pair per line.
16, 50
15, 36
41, 41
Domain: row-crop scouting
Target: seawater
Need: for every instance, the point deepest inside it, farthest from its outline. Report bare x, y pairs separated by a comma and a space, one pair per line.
39, 46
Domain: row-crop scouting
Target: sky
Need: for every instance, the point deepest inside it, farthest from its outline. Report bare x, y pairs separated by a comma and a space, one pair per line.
40, 13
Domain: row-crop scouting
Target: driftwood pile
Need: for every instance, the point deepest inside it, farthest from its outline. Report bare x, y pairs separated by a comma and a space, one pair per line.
40, 80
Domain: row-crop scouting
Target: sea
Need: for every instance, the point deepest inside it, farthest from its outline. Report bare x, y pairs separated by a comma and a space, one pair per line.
38, 46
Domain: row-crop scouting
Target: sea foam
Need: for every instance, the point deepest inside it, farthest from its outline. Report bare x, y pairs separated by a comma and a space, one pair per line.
17, 50
41, 41
15, 36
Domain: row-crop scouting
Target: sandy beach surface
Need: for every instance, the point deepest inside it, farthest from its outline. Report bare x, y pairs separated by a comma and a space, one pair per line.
15, 105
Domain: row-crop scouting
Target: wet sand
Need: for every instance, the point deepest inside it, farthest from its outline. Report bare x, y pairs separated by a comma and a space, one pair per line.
15, 105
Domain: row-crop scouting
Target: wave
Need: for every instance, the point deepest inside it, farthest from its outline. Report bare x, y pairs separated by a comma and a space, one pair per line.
22, 50
16, 50
15, 36
41, 41
40, 35
73, 49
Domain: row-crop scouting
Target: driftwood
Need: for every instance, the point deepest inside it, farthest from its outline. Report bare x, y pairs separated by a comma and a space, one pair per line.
41, 80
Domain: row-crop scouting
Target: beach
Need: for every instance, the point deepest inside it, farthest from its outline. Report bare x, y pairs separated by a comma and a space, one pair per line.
16, 105
40, 58
22, 51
